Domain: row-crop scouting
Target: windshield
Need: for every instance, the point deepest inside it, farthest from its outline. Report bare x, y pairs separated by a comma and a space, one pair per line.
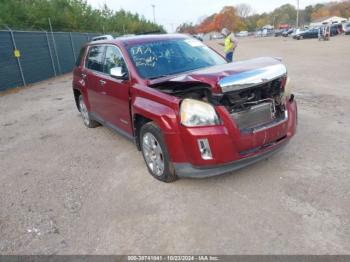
168, 57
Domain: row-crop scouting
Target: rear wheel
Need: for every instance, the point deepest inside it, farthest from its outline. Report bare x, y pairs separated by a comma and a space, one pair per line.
85, 114
156, 154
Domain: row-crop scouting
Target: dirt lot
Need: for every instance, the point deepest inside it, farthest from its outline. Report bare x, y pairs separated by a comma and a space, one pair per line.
66, 189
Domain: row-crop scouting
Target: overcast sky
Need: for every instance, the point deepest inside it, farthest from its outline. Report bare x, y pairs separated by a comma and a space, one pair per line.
171, 13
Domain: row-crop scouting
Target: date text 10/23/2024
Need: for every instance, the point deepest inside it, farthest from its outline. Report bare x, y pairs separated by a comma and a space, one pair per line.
173, 258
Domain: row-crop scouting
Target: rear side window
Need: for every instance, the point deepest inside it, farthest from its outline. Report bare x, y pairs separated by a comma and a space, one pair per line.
81, 54
94, 59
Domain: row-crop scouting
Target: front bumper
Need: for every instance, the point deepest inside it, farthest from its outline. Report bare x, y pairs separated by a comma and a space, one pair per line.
231, 147
188, 170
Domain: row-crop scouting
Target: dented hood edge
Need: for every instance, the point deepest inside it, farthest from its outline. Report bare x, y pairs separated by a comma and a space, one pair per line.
231, 76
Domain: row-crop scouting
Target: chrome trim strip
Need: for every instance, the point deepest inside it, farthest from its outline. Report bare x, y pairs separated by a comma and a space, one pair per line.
252, 78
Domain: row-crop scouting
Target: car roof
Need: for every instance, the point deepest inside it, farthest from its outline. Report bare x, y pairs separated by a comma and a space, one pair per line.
138, 39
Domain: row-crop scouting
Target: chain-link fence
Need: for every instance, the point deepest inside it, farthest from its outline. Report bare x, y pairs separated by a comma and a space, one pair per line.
30, 56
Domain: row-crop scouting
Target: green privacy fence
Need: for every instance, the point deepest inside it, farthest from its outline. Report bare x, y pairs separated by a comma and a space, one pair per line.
30, 56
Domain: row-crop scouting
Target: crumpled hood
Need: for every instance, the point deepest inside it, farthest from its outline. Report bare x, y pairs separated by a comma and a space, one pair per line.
232, 75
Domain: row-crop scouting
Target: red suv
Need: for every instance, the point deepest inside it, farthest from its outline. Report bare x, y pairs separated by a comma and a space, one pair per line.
190, 112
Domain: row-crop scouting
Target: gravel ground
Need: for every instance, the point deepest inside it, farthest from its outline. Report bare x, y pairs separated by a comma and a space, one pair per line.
66, 189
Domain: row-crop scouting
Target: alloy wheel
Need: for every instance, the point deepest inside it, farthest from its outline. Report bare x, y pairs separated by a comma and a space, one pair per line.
153, 154
84, 112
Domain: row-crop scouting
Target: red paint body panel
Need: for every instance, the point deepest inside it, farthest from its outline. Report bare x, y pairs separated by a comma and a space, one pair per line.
226, 142
117, 102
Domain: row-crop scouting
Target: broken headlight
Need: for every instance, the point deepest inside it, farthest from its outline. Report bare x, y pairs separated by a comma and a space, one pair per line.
198, 113
287, 90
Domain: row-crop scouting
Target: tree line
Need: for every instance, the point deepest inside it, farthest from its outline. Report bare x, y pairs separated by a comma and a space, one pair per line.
241, 17
72, 15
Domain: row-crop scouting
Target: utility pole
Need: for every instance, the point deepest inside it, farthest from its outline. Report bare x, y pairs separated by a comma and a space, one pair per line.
297, 23
154, 13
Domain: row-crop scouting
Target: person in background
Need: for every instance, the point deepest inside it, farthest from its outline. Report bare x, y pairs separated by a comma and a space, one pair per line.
230, 44
320, 33
327, 32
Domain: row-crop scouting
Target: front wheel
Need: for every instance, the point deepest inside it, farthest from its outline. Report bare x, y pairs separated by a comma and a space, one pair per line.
155, 153
85, 114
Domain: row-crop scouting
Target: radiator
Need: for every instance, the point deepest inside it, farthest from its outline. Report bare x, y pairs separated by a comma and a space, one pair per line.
255, 116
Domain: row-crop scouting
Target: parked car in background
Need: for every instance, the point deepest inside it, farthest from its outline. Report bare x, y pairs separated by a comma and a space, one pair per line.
102, 37
297, 31
242, 34
288, 32
310, 33
336, 29
279, 32
217, 36
198, 37
264, 32
189, 112
347, 29
128, 35
267, 32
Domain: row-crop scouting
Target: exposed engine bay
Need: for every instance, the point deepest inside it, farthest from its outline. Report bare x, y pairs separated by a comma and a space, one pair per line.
194, 90
256, 105
249, 107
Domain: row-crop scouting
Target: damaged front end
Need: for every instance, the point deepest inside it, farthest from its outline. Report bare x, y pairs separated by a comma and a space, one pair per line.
231, 115
254, 95
256, 98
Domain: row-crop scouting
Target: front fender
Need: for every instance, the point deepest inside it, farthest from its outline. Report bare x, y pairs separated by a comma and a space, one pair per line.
164, 116
167, 119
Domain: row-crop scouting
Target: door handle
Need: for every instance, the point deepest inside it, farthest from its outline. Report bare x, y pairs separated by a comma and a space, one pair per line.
102, 82
82, 75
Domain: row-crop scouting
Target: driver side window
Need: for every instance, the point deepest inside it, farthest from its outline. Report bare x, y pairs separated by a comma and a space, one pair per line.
114, 59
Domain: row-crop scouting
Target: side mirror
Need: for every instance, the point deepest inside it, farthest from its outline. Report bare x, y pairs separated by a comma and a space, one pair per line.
118, 73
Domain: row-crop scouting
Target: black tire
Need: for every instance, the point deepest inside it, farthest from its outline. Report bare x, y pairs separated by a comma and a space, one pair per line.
85, 114
168, 174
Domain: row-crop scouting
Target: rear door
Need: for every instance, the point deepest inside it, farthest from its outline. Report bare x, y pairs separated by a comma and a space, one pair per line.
116, 91
78, 81
93, 73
